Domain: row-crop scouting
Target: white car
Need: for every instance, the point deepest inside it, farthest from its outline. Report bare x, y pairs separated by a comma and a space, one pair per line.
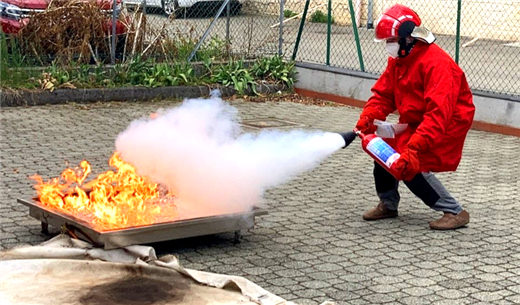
170, 7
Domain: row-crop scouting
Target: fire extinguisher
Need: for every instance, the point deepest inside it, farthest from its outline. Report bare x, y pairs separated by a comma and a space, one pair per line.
380, 151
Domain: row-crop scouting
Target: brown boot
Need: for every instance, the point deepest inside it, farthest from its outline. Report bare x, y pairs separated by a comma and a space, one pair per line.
379, 212
450, 221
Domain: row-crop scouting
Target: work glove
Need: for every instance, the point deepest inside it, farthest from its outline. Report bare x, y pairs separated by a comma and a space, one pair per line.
408, 165
365, 123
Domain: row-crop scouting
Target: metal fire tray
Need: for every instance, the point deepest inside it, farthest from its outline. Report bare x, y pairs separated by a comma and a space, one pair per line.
143, 234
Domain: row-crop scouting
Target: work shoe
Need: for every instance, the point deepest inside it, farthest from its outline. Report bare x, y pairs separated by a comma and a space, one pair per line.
450, 221
379, 212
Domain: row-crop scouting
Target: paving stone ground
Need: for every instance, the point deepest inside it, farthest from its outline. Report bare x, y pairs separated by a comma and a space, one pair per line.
313, 246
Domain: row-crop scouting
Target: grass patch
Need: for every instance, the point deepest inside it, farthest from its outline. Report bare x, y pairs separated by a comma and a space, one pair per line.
289, 13
13, 66
320, 17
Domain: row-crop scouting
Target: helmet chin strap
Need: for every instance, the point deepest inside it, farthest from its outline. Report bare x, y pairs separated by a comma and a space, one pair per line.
406, 42
405, 47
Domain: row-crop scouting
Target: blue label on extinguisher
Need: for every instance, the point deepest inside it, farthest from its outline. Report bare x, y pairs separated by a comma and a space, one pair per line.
384, 152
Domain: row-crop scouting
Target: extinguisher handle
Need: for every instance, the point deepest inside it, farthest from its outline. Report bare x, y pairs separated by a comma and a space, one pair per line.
359, 133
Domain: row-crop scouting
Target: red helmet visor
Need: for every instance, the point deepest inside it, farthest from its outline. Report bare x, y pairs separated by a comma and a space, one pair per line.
386, 28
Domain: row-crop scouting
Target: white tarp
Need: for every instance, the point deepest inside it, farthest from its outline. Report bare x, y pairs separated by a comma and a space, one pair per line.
69, 271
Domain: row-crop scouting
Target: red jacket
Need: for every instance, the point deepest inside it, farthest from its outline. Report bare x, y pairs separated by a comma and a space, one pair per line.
432, 96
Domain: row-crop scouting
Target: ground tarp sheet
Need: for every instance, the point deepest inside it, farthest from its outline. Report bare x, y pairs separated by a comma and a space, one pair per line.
69, 271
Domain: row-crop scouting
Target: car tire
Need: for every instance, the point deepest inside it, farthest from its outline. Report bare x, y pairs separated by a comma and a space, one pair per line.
169, 7
235, 8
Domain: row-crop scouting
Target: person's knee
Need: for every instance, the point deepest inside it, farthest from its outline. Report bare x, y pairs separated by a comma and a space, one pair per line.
421, 188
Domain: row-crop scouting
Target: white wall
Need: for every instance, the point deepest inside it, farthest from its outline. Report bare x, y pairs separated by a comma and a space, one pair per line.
489, 19
356, 85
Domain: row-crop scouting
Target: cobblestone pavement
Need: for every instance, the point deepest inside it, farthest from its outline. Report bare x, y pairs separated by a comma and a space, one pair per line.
313, 246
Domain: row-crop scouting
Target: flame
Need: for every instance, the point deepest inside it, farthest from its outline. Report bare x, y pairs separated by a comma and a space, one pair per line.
115, 199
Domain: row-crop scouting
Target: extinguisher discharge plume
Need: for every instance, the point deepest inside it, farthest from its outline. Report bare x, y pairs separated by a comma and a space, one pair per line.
200, 145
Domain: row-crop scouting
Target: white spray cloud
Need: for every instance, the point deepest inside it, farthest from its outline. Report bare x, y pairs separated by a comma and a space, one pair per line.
199, 150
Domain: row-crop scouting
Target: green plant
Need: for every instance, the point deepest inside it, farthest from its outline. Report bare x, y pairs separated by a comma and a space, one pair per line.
15, 71
184, 71
289, 13
120, 74
137, 70
3, 57
145, 72
234, 73
164, 74
207, 72
275, 69
320, 17
181, 47
100, 75
82, 74
159, 76
215, 48
58, 74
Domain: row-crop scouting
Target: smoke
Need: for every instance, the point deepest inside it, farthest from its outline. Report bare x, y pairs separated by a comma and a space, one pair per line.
199, 150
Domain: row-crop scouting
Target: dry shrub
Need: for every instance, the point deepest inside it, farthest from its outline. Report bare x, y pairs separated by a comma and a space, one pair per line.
77, 31
136, 26
157, 40
68, 31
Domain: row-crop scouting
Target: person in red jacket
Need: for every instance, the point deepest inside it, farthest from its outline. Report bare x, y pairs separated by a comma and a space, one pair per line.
432, 96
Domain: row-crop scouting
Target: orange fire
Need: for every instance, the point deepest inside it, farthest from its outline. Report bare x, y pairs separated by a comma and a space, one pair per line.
115, 199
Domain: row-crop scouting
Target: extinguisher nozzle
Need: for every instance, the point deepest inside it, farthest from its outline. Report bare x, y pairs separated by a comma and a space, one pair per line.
348, 136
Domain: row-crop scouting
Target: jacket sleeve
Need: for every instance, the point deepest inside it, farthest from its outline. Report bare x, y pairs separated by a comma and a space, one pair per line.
441, 87
382, 100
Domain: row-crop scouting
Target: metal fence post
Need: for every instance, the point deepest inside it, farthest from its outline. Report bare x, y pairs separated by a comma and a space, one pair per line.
457, 38
208, 30
329, 21
280, 29
228, 20
356, 36
113, 38
370, 18
300, 30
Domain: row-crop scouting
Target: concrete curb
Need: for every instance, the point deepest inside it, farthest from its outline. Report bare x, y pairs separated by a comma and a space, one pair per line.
61, 96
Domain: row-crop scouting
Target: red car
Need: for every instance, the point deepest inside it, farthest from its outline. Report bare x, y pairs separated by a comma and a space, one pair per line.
16, 13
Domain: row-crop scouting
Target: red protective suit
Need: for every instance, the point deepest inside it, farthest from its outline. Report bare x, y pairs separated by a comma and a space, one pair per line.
432, 96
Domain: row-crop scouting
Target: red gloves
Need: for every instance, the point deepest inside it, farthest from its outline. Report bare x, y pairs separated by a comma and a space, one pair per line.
409, 165
366, 120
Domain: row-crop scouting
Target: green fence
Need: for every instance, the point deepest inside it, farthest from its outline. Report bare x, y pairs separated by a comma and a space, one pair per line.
483, 36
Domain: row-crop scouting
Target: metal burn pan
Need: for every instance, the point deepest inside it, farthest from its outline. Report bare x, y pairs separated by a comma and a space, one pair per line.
144, 234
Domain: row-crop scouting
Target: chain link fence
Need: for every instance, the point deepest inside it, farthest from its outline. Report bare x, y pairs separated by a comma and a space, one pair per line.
487, 48
111, 31
240, 28
486, 41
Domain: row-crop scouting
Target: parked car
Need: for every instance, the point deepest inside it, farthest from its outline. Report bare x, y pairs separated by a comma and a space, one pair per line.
11, 19
16, 14
170, 7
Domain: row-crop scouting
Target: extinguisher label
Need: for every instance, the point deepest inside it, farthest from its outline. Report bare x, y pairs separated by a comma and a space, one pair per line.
384, 152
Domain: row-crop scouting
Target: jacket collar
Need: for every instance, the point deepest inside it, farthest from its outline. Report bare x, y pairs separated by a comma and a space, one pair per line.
419, 48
